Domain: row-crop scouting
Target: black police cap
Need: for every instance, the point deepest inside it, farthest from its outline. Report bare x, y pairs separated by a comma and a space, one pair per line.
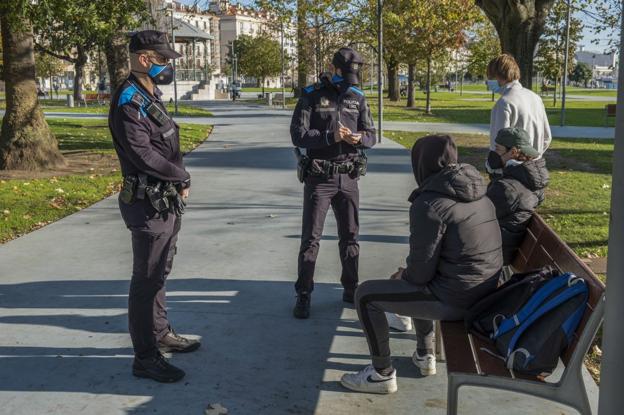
152, 40
349, 62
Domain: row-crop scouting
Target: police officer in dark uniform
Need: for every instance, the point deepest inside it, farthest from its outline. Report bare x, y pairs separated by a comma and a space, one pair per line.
152, 200
333, 123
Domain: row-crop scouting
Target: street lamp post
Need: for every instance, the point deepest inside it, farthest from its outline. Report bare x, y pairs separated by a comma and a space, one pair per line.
565, 67
175, 83
379, 69
282, 56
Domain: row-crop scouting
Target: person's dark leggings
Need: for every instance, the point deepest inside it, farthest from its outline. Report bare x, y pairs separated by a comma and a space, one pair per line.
374, 298
342, 194
153, 249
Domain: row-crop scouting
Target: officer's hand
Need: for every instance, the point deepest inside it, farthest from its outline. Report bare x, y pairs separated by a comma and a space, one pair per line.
185, 193
397, 275
354, 138
341, 134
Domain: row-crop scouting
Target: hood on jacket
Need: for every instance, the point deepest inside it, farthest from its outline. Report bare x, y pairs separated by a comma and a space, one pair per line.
431, 154
532, 174
462, 182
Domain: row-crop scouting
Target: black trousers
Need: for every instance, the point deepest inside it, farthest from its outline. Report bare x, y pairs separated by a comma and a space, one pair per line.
376, 297
342, 194
154, 238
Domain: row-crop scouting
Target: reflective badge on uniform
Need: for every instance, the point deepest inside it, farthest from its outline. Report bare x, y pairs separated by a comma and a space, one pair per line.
324, 102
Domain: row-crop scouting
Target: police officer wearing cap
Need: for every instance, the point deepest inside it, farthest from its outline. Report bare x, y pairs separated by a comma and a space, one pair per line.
333, 123
152, 200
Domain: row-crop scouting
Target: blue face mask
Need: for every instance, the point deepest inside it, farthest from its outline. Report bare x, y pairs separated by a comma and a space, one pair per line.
494, 86
161, 74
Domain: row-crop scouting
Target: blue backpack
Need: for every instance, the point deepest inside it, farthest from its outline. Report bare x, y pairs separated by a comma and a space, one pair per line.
531, 338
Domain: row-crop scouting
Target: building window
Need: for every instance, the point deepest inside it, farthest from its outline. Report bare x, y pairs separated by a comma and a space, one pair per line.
205, 26
196, 23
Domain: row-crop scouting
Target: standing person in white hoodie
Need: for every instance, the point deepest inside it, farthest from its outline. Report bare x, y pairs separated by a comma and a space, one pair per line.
517, 107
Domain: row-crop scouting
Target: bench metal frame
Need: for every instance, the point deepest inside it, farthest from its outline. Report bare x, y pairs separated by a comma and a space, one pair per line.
569, 390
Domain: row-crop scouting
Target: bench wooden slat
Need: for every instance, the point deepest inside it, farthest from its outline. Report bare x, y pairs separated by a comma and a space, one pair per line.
457, 347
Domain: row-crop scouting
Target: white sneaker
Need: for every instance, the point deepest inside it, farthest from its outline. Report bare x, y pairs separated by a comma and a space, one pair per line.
426, 363
369, 381
399, 322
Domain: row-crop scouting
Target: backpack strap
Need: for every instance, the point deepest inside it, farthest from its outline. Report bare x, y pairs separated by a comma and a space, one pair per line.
534, 302
572, 291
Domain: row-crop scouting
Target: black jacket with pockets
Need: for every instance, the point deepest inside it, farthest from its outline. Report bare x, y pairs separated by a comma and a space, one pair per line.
516, 195
455, 241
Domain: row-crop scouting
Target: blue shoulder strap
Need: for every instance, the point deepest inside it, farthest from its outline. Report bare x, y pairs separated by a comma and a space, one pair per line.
576, 289
534, 302
308, 89
132, 93
357, 90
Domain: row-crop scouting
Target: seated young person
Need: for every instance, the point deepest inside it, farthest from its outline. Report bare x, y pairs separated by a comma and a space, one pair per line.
520, 190
455, 259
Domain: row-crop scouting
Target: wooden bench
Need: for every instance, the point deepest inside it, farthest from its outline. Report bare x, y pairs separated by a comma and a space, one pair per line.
278, 98
545, 89
468, 365
610, 111
95, 97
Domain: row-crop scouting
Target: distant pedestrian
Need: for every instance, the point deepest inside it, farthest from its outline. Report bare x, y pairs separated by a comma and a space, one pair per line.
517, 107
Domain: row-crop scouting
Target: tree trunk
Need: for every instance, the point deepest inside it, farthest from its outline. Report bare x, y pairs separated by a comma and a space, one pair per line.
117, 60
302, 64
26, 142
262, 86
393, 81
555, 93
79, 65
411, 69
428, 106
519, 26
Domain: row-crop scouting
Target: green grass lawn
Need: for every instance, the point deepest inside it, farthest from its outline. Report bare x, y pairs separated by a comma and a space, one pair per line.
53, 105
475, 108
258, 90
27, 204
578, 198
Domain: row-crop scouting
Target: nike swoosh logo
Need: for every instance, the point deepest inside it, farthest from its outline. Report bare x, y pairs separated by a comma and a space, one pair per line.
371, 380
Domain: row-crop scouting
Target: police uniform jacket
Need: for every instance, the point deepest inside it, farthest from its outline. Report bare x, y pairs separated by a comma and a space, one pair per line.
318, 113
144, 146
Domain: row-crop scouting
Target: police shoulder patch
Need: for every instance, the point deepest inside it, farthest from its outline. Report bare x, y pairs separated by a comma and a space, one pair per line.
357, 90
126, 95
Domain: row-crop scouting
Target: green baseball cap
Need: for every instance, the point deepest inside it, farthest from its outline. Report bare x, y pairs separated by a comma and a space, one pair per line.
516, 137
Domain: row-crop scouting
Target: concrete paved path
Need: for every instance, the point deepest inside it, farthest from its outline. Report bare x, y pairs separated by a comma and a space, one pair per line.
64, 347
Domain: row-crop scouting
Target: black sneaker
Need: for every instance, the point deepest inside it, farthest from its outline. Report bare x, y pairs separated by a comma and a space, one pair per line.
156, 368
172, 342
302, 308
348, 296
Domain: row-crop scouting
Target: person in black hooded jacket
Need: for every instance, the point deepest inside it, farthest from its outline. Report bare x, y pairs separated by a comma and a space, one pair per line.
520, 190
455, 259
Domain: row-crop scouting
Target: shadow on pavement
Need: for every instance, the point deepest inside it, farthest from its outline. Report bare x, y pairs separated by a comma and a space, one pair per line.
255, 358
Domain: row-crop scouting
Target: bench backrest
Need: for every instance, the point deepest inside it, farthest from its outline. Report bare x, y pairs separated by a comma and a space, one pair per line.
542, 246
611, 110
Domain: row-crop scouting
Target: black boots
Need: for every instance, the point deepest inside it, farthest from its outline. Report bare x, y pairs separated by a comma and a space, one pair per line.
302, 308
156, 368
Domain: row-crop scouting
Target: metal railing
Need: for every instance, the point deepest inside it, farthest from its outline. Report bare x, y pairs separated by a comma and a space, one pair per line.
190, 75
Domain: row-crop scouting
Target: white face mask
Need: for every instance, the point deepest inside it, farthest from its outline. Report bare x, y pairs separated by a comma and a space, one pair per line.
512, 162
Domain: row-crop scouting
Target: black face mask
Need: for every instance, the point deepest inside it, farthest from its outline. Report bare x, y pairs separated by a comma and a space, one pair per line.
161, 74
495, 161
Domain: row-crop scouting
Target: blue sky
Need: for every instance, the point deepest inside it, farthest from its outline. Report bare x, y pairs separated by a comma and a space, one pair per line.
588, 36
